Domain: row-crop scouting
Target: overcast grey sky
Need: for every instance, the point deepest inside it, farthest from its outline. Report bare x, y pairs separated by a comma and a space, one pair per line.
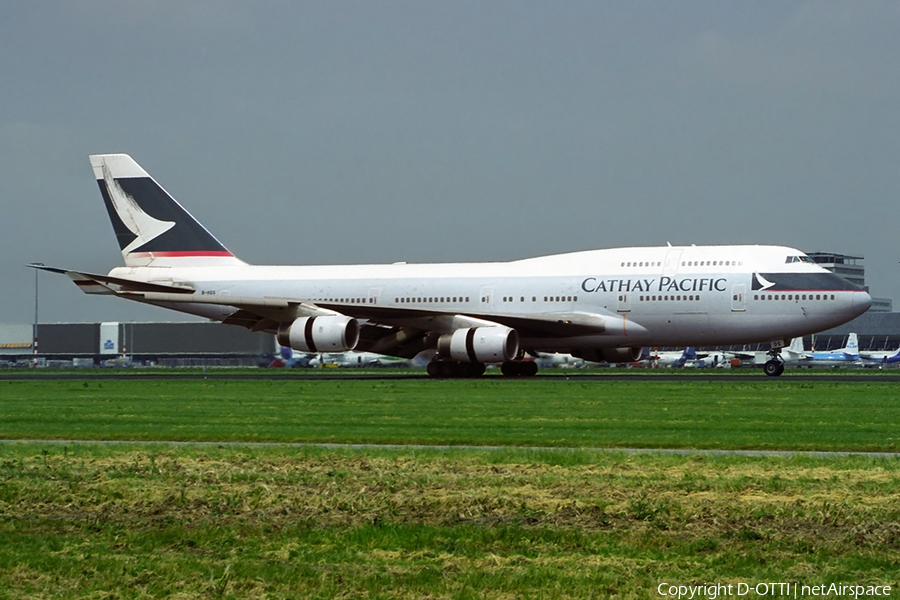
342, 132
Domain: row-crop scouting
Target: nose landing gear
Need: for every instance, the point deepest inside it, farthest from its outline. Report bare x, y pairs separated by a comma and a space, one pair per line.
775, 365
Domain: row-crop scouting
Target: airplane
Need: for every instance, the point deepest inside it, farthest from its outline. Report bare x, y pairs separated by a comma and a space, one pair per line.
559, 361
598, 305
792, 354
844, 357
356, 359
288, 359
880, 358
677, 359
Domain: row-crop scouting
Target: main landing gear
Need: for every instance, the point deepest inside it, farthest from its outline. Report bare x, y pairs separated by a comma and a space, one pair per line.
447, 369
519, 368
775, 365
452, 369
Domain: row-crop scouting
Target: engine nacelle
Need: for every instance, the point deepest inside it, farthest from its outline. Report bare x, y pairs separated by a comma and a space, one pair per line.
610, 355
330, 333
480, 344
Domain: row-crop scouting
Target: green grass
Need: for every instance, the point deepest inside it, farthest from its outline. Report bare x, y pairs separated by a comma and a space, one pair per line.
138, 522
144, 520
721, 414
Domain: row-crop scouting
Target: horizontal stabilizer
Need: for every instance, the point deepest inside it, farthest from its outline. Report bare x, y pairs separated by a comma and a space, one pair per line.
91, 283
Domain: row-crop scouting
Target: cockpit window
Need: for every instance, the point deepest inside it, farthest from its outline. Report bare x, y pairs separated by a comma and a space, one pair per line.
796, 259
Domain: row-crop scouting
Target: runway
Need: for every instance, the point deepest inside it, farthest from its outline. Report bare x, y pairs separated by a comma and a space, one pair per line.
309, 375
448, 448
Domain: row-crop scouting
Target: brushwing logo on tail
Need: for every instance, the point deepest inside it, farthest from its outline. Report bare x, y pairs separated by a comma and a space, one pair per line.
142, 225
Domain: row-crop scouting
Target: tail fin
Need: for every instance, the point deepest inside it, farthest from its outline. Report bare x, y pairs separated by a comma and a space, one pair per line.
152, 228
852, 345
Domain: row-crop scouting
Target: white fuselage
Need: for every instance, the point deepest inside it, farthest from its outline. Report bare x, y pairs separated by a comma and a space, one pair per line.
655, 296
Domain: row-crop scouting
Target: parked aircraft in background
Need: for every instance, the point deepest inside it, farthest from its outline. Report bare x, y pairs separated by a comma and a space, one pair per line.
677, 359
721, 359
847, 354
794, 354
354, 359
549, 360
880, 358
844, 357
295, 359
598, 305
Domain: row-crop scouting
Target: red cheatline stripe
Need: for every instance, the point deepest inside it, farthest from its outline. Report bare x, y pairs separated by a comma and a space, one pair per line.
181, 253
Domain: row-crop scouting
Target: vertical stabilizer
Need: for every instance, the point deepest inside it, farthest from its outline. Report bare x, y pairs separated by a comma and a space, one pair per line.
150, 225
852, 345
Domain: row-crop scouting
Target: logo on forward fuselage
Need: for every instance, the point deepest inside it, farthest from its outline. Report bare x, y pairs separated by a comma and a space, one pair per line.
663, 284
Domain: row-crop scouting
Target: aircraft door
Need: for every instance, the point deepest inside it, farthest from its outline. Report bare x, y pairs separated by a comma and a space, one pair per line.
622, 303
739, 298
486, 297
374, 293
670, 267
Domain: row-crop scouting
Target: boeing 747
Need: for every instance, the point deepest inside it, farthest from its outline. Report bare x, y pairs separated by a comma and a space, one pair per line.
599, 305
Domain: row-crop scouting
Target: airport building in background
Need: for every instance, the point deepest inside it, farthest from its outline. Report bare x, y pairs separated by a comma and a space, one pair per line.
173, 344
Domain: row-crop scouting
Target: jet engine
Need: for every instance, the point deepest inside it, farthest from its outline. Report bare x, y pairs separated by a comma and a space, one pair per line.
611, 355
330, 333
480, 344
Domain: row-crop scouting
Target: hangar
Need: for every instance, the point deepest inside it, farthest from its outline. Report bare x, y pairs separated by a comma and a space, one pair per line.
875, 330
169, 344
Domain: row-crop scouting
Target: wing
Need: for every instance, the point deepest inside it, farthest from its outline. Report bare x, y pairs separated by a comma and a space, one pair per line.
393, 331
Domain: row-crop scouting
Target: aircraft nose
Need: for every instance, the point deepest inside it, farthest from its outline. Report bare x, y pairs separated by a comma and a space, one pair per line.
861, 302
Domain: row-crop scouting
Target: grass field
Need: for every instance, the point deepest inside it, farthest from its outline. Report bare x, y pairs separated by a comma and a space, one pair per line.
764, 414
146, 520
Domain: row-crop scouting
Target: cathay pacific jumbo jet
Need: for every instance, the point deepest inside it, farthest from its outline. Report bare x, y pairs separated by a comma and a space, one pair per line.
599, 305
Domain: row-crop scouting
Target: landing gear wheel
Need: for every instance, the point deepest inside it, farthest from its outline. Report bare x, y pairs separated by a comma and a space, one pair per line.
448, 369
519, 368
773, 368
433, 368
775, 365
